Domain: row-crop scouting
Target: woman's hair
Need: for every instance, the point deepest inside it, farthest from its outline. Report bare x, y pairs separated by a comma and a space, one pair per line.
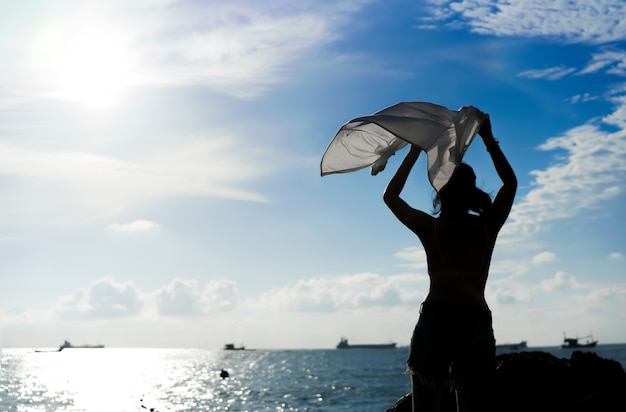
460, 194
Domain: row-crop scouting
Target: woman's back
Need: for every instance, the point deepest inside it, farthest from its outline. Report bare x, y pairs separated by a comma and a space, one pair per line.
460, 244
458, 251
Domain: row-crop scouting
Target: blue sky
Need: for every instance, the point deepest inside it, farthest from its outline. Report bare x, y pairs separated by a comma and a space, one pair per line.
159, 168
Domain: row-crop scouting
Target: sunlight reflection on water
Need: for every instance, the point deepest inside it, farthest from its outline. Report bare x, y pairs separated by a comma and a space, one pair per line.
110, 379
163, 380
166, 380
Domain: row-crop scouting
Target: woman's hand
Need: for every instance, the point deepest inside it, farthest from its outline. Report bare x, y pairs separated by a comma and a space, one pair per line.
485, 128
486, 133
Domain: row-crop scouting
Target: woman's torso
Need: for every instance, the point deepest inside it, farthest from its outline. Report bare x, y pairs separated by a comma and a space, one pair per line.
458, 250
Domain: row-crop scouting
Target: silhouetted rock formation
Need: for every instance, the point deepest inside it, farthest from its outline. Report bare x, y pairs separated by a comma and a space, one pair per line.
538, 382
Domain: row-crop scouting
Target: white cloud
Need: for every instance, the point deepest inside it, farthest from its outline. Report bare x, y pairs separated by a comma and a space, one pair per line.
104, 298
592, 171
179, 298
509, 291
135, 226
603, 296
235, 47
243, 53
347, 292
416, 256
612, 62
506, 295
551, 73
615, 255
185, 298
509, 268
544, 257
560, 281
583, 98
587, 21
367, 307
80, 185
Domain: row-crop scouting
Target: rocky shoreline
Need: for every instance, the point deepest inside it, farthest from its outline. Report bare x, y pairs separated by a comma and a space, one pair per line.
538, 381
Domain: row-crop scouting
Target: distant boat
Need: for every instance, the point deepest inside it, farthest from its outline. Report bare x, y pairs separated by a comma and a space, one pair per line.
67, 345
231, 346
569, 343
343, 344
512, 346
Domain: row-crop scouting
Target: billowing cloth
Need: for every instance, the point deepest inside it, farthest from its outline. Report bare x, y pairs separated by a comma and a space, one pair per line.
443, 134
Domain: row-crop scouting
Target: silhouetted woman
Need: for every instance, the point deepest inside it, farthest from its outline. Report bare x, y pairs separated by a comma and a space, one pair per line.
453, 340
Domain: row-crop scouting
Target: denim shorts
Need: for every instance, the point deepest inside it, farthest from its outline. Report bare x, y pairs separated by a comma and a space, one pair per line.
453, 342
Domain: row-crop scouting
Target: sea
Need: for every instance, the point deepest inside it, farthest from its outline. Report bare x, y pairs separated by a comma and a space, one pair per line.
164, 380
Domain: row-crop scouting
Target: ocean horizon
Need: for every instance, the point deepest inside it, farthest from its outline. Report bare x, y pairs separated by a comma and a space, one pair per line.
161, 379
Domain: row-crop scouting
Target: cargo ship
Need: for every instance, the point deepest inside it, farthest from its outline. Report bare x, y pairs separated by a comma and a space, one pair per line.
67, 345
512, 346
343, 344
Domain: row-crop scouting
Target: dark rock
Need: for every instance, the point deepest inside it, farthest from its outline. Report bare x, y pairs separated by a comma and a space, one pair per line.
538, 382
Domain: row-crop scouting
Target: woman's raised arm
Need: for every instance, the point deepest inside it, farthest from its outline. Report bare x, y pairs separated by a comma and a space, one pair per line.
504, 198
406, 214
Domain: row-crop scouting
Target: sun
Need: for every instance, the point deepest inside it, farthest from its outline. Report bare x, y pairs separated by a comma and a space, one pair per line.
92, 65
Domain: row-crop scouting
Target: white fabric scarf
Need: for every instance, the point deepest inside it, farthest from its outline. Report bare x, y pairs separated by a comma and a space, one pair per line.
443, 134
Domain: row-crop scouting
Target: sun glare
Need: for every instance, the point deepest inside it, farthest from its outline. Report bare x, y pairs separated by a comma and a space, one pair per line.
90, 65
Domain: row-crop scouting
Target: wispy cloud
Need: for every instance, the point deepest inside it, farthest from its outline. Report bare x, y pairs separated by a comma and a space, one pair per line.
592, 170
135, 226
241, 54
586, 21
92, 51
80, 185
551, 73
609, 61
416, 256
583, 98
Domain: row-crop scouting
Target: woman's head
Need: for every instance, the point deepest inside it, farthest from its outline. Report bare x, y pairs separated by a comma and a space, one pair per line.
460, 194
